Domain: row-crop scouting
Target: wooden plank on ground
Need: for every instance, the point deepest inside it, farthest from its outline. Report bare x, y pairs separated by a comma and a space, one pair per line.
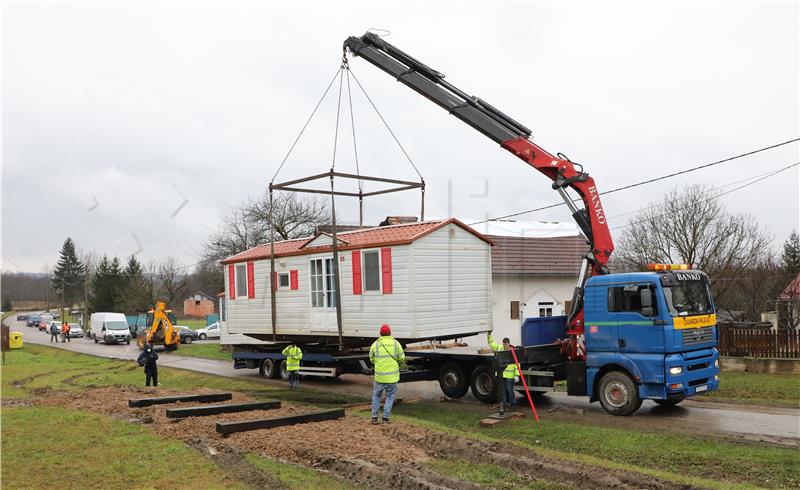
398, 401
231, 427
495, 419
207, 398
202, 411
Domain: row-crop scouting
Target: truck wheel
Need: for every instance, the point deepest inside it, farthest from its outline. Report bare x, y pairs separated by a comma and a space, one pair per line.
453, 381
618, 394
670, 402
284, 371
483, 385
269, 369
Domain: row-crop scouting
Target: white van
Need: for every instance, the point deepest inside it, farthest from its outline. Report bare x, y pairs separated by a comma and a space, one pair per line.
111, 328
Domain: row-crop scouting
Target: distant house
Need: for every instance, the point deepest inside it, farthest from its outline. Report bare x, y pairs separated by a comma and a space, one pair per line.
792, 290
198, 305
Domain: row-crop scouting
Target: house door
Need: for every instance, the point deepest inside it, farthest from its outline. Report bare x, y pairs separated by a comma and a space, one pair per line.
323, 296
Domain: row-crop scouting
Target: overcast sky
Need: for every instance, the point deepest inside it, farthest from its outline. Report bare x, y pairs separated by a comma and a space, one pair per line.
133, 127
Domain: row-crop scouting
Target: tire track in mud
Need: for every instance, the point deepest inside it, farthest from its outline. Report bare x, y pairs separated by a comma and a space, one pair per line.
530, 464
407, 476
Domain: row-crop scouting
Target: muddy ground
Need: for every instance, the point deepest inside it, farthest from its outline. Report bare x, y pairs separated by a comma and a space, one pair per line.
351, 449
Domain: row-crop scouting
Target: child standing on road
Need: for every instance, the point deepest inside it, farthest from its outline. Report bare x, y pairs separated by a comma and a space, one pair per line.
148, 359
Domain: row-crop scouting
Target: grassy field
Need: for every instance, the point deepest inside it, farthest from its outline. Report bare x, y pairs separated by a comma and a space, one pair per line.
204, 351
763, 389
701, 461
715, 462
55, 447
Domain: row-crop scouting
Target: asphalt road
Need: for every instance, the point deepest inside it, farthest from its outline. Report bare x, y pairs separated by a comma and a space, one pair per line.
775, 425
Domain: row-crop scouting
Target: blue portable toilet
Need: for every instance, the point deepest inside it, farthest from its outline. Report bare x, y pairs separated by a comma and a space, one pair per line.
544, 330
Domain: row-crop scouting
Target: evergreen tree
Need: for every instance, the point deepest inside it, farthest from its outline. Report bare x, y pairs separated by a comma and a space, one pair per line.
7, 305
791, 254
104, 285
69, 274
135, 295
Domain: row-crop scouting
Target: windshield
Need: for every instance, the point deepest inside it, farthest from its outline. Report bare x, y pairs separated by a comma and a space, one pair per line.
689, 298
117, 325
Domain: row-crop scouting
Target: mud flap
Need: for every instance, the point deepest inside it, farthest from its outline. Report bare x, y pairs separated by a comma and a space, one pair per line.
576, 378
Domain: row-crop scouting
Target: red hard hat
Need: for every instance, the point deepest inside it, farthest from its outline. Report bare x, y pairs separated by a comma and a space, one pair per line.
385, 330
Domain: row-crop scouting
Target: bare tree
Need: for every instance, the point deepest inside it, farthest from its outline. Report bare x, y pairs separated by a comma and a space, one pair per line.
691, 227
248, 224
172, 280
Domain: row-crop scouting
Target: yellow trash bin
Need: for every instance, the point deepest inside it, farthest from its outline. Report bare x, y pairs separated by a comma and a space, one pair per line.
15, 340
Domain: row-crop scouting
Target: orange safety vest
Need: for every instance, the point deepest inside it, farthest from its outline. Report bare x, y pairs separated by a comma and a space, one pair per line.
65, 328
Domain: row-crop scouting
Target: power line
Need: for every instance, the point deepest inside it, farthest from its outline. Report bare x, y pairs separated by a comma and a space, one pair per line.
649, 181
712, 197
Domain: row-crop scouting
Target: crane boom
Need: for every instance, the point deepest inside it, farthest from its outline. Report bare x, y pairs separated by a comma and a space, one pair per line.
512, 136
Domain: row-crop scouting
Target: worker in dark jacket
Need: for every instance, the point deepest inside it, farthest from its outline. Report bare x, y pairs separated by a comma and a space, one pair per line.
148, 359
53, 332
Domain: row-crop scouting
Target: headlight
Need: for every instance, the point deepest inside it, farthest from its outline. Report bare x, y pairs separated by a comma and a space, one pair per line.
675, 370
716, 363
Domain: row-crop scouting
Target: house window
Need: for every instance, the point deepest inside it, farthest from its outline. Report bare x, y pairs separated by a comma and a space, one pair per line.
330, 284
628, 298
515, 310
372, 271
241, 280
545, 308
317, 289
283, 280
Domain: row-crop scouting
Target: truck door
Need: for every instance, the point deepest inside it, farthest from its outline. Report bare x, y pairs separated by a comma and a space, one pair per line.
601, 320
637, 309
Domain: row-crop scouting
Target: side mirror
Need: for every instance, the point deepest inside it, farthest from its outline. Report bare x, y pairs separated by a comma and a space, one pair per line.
646, 300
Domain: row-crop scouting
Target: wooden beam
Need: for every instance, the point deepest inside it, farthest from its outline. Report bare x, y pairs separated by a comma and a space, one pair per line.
146, 402
202, 411
231, 427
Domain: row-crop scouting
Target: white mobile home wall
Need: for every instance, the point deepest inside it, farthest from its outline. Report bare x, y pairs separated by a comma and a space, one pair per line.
441, 286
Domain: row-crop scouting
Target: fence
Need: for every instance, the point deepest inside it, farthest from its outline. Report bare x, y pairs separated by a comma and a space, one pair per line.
759, 343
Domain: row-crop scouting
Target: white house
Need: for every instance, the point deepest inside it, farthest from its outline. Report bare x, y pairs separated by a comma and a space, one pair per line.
428, 280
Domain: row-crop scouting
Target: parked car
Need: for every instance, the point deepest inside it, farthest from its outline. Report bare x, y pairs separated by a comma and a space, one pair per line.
33, 320
187, 335
210, 332
75, 331
22, 318
44, 323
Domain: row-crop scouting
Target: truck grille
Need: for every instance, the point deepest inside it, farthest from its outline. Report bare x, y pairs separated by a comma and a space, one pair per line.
697, 335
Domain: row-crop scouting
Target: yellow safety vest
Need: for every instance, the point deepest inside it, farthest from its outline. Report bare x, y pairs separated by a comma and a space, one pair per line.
510, 371
293, 355
386, 354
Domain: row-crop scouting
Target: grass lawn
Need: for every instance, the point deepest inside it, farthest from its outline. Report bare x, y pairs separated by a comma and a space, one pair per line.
763, 389
193, 323
489, 475
296, 477
693, 460
204, 350
45, 448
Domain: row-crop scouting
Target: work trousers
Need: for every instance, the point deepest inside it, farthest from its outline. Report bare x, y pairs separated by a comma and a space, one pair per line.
510, 394
151, 374
377, 390
294, 379
53, 336
65, 338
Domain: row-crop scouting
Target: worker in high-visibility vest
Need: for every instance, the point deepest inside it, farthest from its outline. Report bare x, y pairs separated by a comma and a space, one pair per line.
510, 374
386, 354
293, 356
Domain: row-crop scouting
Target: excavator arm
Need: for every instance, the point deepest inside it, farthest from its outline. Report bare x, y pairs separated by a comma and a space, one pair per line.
512, 136
161, 329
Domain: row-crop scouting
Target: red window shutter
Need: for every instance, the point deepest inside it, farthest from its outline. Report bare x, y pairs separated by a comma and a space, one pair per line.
356, 271
231, 282
293, 279
386, 270
251, 283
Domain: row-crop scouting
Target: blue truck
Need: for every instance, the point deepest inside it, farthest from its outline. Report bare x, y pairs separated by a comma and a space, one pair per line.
628, 337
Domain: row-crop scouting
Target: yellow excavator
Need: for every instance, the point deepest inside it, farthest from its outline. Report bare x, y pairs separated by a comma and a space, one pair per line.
160, 329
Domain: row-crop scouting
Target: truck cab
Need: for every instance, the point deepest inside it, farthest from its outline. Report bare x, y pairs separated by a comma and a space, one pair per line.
649, 335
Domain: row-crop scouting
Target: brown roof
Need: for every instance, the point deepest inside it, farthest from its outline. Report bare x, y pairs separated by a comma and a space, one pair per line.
540, 256
369, 237
792, 291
